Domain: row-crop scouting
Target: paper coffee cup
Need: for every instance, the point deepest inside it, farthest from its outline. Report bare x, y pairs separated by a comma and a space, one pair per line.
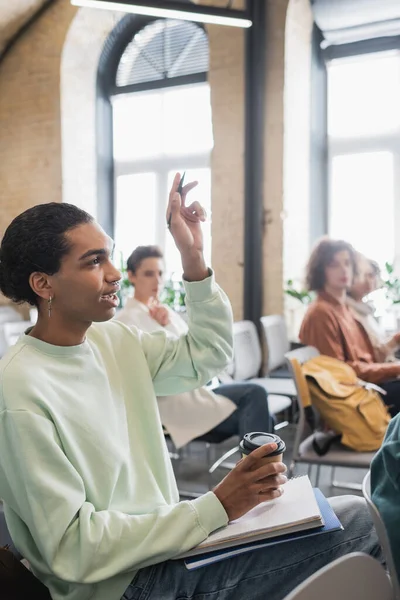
252, 441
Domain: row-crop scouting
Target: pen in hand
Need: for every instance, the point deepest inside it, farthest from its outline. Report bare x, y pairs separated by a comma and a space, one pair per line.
179, 190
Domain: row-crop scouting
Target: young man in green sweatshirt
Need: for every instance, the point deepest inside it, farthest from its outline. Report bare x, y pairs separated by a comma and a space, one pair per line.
89, 493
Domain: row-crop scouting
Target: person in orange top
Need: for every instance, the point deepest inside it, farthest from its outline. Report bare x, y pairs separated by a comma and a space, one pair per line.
329, 324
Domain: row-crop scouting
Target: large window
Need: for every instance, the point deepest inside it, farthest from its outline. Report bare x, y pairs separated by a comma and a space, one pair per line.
161, 125
364, 152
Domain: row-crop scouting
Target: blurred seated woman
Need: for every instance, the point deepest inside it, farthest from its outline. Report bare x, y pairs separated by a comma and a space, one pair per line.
367, 281
330, 326
225, 411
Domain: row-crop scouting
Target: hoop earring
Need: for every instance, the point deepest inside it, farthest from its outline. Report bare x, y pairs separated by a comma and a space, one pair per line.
49, 306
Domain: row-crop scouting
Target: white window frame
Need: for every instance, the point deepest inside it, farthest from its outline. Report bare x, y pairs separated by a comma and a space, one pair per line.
161, 165
387, 142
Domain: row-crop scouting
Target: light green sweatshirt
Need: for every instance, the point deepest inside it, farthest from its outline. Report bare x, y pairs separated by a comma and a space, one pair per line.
88, 488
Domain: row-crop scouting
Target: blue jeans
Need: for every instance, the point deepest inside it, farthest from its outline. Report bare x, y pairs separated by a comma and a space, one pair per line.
252, 412
265, 574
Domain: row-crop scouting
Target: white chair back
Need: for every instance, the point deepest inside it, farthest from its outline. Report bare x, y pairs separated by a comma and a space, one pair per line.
276, 341
355, 576
12, 331
246, 350
382, 534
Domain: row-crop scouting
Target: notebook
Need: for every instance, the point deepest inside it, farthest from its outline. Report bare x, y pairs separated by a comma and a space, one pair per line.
331, 523
297, 509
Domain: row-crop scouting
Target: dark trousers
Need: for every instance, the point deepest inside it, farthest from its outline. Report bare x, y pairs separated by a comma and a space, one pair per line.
252, 412
392, 397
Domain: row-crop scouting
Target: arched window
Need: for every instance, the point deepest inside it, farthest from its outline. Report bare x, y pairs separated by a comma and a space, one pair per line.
161, 116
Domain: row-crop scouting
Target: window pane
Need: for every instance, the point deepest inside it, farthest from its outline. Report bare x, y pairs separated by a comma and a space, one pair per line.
362, 203
137, 125
364, 95
202, 193
135, 219
187, 126
166, 123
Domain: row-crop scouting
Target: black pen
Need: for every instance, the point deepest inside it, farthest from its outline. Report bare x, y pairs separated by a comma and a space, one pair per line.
180, 186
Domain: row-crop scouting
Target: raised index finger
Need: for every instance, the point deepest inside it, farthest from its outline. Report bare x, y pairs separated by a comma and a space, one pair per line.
173, 190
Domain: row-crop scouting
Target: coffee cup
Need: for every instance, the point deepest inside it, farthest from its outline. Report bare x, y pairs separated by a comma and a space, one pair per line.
252, 441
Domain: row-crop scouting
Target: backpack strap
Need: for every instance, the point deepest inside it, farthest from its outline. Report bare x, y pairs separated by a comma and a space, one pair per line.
303, 393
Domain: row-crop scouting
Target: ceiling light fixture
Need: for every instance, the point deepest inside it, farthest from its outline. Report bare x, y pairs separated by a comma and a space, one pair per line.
173, 10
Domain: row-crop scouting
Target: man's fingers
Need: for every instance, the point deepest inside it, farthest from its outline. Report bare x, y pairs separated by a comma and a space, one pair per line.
174, 207
195, 212
252, 460
173, 195
176, 199
175, 185
271, 483
268, 470
186, 189
270, 495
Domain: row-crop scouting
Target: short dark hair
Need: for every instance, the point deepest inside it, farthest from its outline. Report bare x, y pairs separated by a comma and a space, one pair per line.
35, 241
321, 256
140, 254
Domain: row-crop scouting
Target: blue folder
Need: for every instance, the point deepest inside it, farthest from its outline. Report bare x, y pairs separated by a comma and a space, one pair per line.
331, 523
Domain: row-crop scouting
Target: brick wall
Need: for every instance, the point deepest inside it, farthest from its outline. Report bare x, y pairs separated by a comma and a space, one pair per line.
31, 147
30, 132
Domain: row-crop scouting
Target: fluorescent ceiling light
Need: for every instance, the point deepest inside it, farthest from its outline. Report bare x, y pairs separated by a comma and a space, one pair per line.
173, 10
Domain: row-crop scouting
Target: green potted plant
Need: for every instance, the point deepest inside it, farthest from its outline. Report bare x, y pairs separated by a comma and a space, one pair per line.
295, 310
391, 284
173, 295
297, 292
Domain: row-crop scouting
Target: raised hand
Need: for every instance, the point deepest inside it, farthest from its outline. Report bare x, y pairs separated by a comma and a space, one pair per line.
184, 221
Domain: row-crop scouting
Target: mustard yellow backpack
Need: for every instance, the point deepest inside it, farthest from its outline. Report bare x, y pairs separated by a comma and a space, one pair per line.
348, 406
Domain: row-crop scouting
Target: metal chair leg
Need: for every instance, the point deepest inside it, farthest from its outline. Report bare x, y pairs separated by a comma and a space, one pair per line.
281, 425
347, 485
208, 453
317, 475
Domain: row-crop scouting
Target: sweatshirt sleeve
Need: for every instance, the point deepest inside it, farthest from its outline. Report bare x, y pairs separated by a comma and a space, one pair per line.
180, 364
78, 542
375, 372
385, 464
